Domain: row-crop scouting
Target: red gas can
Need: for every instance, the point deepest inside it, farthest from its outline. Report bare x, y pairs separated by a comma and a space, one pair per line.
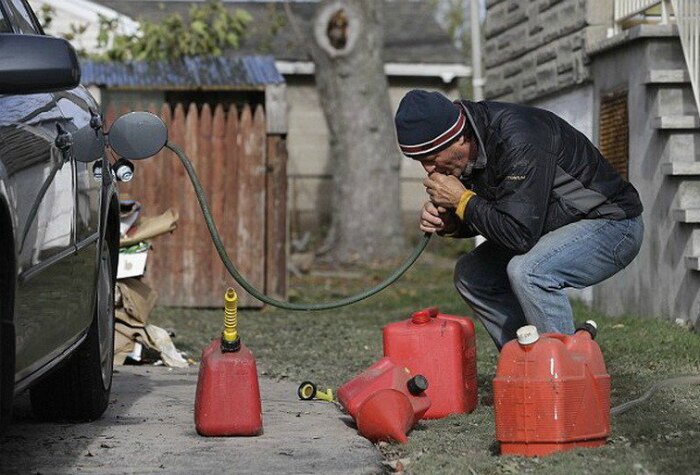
395, 398
228, 396
551, 393
443, 349
386, 415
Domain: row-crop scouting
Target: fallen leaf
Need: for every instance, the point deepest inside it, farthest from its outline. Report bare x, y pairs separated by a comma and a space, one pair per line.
398, 465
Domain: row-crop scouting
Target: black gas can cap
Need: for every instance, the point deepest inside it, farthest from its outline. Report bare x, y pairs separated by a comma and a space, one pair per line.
591, 327
417, 384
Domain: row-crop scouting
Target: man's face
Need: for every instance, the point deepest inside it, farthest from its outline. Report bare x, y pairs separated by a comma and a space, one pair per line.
450, 161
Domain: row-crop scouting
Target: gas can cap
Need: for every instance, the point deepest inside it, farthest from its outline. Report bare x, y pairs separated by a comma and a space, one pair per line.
420, 317
527, 335
592, 323
417, 384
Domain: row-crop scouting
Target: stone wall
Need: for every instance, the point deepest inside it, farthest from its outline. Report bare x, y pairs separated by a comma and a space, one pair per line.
535, 48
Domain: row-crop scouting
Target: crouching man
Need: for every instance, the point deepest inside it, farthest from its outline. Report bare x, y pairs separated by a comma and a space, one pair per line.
554, 212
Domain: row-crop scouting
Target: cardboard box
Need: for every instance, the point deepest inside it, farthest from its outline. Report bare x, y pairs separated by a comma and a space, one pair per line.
132, 264
148, 228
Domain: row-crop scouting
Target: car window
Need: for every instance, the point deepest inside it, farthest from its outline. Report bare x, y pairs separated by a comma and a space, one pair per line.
24, 20
4, 23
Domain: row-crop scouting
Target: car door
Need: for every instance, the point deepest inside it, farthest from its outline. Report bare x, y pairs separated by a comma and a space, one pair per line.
41, 183
83, 122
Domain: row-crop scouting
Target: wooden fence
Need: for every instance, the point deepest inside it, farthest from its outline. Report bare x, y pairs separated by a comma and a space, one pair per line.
243, 171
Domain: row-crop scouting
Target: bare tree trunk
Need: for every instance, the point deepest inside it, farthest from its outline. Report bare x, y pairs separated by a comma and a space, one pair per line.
347, 52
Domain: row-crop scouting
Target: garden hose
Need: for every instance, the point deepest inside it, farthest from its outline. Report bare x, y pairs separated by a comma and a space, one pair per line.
393, 277
624, 407
216, 238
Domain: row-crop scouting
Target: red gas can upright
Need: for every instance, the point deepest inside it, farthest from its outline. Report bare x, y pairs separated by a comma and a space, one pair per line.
551, 393
227, 400
443, 349
385, 400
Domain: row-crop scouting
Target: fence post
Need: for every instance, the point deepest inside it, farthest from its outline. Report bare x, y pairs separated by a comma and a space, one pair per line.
276, 191
276, 217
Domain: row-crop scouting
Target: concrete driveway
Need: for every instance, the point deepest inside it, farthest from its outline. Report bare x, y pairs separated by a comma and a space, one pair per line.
149, 428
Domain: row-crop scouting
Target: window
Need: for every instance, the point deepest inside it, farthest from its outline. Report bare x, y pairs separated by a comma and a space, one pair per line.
23, 18
614, 131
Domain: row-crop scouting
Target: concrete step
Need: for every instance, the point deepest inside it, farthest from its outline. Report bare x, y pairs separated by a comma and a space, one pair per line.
673, 100
686, 215
675, 122
681, 146
680, 168
687, 196
667, 76
692, 262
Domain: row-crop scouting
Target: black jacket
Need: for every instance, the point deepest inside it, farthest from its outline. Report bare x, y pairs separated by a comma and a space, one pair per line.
535, 173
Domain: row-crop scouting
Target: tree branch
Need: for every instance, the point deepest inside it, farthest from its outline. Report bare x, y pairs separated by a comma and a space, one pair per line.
301, 38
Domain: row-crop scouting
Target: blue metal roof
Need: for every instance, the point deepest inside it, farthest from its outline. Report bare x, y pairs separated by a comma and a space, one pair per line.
235, 72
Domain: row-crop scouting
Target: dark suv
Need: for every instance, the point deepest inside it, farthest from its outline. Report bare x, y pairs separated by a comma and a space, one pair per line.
59, 226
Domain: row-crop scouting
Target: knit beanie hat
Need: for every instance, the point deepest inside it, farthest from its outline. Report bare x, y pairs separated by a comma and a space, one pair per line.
426, 123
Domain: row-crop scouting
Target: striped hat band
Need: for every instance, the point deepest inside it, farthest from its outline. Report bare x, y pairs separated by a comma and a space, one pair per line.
436, 144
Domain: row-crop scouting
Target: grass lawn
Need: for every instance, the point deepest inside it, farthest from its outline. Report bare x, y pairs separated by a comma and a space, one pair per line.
661, 436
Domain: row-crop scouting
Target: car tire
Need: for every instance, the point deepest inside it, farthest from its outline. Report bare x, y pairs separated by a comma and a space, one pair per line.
79, 389
5, 400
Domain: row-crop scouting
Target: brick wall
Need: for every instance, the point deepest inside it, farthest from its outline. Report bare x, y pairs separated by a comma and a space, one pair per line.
537, 47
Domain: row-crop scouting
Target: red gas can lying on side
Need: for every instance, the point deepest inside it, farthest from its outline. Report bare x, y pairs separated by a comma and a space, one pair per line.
551, 393
443, 349
385, 400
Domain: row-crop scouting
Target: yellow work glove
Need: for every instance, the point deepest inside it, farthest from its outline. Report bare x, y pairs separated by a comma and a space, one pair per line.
463, 201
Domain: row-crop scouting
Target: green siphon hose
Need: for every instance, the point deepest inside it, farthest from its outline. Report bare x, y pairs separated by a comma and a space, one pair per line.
216, 238
622, 408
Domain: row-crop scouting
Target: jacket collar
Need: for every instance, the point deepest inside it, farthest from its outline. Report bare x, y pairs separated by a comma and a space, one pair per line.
478, 126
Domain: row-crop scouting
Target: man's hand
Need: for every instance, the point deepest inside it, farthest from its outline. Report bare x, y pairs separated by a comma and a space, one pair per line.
437, 219
444, 190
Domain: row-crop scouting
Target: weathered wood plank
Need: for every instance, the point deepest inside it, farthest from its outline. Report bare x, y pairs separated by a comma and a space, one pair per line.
173, 180
276, 109
216, 172
230, 197
189, 227
201, 290
251, 196
276, 217
145, 189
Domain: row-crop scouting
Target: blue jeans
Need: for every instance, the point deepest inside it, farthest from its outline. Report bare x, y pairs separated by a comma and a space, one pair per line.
508, 290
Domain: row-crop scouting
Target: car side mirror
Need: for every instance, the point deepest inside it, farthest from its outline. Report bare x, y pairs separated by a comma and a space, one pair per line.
34, 63
137, 135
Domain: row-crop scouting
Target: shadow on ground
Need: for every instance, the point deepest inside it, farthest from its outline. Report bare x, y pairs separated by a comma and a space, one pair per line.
30, 445
149, 428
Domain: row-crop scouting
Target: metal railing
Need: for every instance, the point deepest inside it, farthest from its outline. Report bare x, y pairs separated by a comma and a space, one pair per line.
687, 19
626, 9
